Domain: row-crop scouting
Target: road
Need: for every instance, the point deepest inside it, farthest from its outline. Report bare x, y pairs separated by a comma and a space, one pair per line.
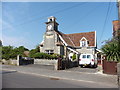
13, 79
30, 76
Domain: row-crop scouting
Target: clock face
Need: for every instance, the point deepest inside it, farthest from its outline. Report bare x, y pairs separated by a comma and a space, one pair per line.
49, 27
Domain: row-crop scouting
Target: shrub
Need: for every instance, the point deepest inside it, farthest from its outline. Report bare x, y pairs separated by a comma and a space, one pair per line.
73, 57
39, 55
112, 50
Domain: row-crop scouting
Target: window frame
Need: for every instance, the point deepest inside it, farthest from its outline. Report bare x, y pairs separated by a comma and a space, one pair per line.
83, 43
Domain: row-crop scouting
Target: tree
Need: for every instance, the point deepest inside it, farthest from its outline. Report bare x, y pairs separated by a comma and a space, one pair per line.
6, 51
34, 51
12, 52
112, 49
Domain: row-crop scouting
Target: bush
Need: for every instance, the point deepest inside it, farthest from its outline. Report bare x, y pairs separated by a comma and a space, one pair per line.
39, 55
73, 57
112, 50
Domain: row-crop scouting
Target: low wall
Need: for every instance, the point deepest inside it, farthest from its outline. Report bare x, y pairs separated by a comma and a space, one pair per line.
11, 61
53, 62
118, 72
14, 62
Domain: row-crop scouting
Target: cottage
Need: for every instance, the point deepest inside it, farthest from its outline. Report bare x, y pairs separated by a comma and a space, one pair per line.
64, 44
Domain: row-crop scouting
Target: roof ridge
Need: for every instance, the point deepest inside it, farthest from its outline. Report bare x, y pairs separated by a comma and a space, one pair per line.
79, 33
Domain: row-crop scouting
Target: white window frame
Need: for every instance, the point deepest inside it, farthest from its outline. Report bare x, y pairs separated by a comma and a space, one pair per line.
83, 43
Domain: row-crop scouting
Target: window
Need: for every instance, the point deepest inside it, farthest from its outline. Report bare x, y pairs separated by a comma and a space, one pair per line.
49, 51
84, 56
88, 56
83, 42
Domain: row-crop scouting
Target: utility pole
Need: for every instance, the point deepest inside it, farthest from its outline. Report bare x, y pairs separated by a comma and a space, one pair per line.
118, 9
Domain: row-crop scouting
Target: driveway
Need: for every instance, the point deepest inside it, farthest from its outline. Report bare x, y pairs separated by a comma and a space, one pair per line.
84, 70
74, 69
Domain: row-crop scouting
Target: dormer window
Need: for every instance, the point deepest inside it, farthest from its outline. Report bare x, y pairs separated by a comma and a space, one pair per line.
83, 42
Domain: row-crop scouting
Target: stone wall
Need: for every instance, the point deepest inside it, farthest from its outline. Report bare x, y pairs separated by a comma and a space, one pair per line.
118, 72
13, 62
53, 62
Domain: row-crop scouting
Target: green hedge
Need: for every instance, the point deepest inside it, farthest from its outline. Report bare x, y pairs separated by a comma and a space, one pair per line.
39, 55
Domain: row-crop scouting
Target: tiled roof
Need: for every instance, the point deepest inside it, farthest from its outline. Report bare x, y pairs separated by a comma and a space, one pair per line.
74, 39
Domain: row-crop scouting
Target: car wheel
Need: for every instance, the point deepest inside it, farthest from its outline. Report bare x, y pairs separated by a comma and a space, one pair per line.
81, 66
91, 66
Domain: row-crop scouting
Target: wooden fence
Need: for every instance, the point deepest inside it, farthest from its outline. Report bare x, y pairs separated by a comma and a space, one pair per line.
109, 67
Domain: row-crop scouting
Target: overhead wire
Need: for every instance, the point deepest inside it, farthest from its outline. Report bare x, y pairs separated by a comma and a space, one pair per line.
39, 12
54, 13
86, 15
106, 18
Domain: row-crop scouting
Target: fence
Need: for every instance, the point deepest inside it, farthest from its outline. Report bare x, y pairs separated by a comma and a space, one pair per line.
109, 67
24, 60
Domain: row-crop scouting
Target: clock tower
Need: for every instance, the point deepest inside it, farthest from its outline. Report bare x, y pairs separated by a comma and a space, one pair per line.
51, 25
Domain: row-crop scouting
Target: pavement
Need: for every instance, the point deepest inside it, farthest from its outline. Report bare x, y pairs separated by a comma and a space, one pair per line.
94, 77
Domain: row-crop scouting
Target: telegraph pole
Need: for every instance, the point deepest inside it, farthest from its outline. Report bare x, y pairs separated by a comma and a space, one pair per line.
118, 1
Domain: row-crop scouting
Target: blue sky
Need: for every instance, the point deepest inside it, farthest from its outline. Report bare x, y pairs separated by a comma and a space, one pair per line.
23, 23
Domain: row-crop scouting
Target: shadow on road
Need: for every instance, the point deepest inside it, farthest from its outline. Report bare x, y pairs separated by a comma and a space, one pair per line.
7, 72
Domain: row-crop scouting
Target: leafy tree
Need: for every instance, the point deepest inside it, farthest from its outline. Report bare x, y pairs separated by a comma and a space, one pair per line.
6, 51
11, 52
112, 49
34, 51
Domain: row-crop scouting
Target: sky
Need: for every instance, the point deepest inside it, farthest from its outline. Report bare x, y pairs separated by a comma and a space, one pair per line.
23, 23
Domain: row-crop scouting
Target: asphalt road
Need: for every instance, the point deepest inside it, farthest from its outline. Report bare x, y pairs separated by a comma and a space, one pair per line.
13, 79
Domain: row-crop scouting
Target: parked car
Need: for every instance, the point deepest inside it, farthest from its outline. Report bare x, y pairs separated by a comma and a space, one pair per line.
87, 60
